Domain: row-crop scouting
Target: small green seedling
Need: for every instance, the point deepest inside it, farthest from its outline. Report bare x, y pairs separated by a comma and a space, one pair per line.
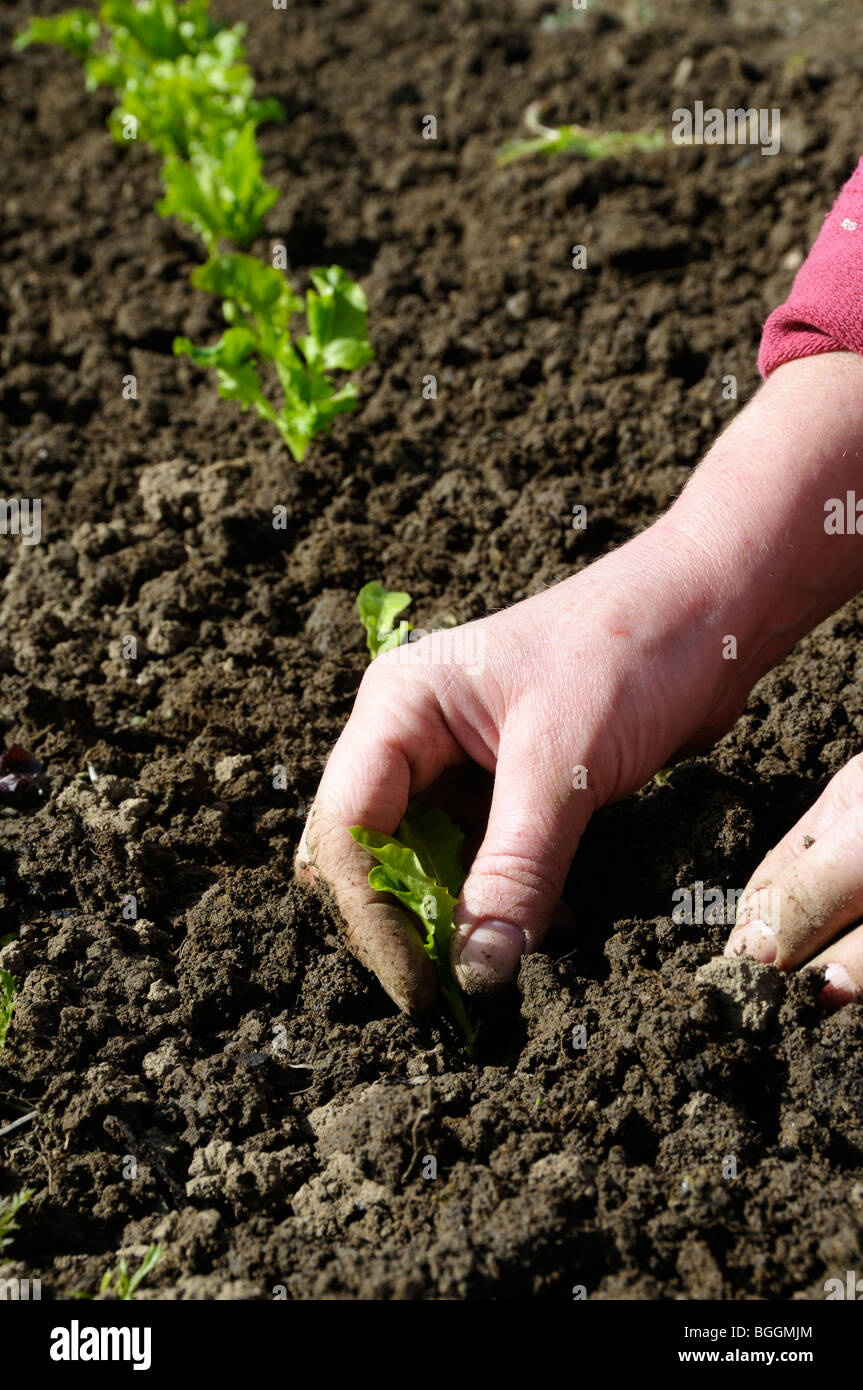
8, 992
379, 608
421, 864
75, 30
258, 304
9, 1208
575, 139
219, 192
184, 89
121, 1283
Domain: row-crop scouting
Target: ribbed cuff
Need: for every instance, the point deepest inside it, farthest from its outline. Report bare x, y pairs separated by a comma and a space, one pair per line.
824, 311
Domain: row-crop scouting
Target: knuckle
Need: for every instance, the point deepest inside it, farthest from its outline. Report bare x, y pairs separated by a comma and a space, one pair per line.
391, 682
793, 908
322, 829
372, 677
499, 871
849, 780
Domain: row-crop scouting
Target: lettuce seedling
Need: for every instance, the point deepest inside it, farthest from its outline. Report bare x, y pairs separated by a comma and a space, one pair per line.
219, 192
421, 866
161, 28
575, 139
198, 102
131, 35
258, 304
185, 89
379, 608
74, 30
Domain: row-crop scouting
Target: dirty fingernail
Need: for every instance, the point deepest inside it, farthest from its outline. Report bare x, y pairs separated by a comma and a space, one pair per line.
756, 940
489, 956
838, 988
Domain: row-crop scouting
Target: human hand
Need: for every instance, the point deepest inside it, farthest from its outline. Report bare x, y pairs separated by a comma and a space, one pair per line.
808, 890
572, 699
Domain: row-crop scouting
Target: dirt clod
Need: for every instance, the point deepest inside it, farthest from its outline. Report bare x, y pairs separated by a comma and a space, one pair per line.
748, 993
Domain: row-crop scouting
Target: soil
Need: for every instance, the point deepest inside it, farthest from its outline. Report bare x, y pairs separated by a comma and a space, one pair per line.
218, 1074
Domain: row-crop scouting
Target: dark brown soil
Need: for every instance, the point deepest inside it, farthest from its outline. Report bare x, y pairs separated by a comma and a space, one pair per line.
277, 1110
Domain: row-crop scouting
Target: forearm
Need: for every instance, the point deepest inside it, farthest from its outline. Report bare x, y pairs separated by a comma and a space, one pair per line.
749, 529
740, 566
757, 555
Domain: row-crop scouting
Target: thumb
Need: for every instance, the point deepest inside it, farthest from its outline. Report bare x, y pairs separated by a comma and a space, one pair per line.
536, 820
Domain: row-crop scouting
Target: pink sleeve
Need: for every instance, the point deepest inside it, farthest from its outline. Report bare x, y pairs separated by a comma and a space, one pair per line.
824, 311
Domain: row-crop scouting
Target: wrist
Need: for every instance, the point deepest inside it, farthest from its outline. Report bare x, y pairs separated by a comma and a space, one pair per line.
700, 628
659, 626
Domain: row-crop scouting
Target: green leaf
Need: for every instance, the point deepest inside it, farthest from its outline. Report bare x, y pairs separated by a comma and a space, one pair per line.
190, 103
436, 842
74, 30
119, 1282
231, 349
237, 376
575, 139
400, 871
336, 316
311, 403
9, 1208
160, 28
135, 49
190, 198
252, 290
378, 609
219, 194
151, 1258
425, 844
297, 428
8, 993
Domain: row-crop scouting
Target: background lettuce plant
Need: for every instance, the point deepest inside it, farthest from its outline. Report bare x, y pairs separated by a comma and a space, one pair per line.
9, 1209
258, 304
185, 89
576, 139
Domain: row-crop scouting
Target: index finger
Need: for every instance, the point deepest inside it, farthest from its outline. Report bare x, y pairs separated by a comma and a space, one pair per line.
842, 793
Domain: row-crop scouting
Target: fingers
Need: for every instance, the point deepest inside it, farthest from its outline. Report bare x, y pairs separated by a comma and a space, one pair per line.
378, 933
842, 792
812, 898
842, 964
380, 760
515, 881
